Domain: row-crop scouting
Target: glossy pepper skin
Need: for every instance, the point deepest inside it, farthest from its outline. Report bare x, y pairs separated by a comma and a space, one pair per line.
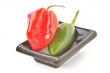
42, 26
64, 38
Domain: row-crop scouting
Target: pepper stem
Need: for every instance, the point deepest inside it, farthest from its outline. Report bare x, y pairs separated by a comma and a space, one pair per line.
73, 21
55, 6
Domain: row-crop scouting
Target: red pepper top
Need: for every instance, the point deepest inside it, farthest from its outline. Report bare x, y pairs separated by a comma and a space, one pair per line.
42, 27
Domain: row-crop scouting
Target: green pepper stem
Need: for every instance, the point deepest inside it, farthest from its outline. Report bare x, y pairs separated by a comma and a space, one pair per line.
55, 6
73, 21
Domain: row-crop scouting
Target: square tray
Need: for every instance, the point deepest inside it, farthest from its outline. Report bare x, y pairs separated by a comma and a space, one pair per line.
85, 36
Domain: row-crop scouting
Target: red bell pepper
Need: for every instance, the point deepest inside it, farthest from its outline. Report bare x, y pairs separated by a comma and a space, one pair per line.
42, 27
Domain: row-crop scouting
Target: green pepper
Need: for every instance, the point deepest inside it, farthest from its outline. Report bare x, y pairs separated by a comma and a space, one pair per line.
66, 34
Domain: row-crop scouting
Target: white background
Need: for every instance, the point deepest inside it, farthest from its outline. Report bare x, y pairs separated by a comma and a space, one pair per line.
93, 58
